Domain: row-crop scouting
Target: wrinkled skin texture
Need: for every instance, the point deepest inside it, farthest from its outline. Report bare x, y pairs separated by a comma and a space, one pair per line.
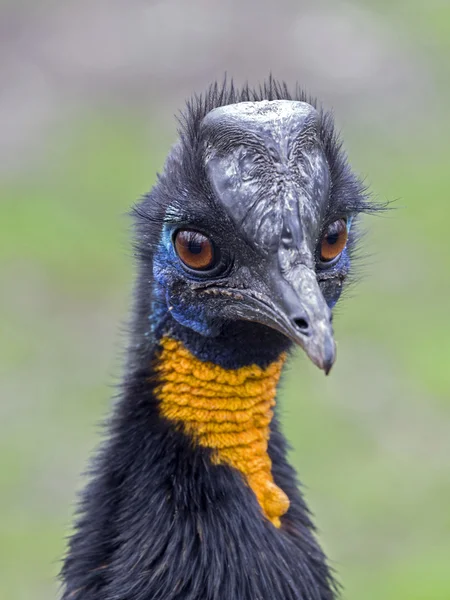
268, 168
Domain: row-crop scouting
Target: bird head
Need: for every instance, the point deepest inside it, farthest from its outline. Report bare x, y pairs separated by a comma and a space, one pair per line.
256, 210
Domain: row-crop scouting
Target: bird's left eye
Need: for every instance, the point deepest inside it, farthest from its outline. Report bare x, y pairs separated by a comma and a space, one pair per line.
333, 241
195, 250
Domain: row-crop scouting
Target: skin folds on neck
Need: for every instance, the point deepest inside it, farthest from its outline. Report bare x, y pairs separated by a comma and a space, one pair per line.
226, 410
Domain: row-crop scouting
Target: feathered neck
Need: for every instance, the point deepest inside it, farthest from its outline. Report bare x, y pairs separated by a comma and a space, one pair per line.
169, 516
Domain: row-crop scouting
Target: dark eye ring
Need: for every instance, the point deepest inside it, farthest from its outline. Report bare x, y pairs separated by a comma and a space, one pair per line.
333, 242
195, 250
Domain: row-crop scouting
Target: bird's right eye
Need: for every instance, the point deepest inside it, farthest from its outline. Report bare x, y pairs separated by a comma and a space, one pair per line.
195, 250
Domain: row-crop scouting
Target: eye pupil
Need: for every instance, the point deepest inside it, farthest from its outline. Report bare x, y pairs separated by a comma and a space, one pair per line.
195, 247
333, 241
195, 250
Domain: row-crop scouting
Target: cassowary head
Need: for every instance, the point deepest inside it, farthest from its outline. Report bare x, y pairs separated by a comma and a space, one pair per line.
252, 220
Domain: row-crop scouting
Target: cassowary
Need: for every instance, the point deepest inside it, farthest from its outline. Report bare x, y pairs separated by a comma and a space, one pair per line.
243, 248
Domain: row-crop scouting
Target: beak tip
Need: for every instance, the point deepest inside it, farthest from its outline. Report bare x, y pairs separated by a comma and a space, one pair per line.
321, 350
328, 357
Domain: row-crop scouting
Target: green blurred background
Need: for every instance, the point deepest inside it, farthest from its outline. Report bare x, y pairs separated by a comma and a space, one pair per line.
87, 94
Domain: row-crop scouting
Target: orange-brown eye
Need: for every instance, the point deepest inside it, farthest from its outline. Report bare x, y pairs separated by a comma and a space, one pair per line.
334, 241
194, 249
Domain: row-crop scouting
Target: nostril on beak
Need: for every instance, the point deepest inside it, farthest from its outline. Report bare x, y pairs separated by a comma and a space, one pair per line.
302, 325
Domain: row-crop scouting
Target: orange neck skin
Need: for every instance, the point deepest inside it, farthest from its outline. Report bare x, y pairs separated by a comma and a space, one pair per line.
228, 411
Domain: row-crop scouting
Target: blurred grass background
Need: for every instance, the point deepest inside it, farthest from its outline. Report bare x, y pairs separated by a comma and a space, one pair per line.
371, 442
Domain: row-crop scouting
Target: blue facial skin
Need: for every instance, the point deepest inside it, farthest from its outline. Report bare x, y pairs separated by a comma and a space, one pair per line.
332, 291
168, 272
331, 279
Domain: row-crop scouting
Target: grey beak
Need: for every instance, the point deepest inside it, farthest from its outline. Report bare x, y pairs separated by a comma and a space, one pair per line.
296, 308
303, 307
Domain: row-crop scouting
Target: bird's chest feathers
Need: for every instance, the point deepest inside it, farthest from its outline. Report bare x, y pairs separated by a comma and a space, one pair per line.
226, 410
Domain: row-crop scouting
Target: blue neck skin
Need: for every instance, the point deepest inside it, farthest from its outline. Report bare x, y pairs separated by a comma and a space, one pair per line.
238, 344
